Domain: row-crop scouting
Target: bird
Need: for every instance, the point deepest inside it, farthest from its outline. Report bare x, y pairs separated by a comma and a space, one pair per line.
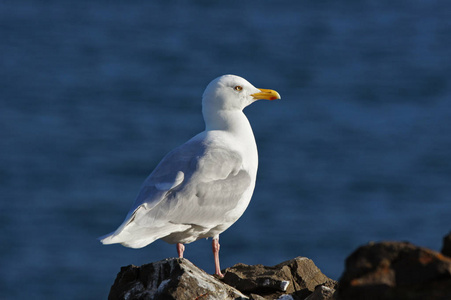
202, 187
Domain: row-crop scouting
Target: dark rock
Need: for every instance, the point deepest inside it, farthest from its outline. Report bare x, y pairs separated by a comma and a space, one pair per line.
297, 277
386, 270
395, 270
446, 250
322, 292
175, 278
256, 297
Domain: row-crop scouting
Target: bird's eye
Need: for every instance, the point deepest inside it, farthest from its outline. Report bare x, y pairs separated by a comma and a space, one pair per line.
238, 88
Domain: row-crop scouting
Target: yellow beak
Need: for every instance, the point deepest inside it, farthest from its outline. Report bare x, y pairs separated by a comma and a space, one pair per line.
266, 94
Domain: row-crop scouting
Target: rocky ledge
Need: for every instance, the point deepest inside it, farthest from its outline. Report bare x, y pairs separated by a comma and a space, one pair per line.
385, 270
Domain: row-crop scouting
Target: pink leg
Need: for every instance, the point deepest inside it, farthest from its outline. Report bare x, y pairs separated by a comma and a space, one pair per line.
215, 245
180, 249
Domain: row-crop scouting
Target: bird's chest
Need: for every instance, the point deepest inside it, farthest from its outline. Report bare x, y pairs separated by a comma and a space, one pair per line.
247, 149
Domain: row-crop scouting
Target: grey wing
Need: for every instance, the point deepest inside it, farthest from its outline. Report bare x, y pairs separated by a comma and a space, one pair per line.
215, 188
167, 176
194, 184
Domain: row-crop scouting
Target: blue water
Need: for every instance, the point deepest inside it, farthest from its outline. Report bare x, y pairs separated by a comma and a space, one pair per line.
93, 94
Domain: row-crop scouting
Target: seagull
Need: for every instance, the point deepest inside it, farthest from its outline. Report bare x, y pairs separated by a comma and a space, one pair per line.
202, 187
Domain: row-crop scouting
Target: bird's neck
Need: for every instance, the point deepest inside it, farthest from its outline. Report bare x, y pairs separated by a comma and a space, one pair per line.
236, 123
233, 121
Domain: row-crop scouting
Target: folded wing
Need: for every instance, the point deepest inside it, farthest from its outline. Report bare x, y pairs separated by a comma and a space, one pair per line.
188, 194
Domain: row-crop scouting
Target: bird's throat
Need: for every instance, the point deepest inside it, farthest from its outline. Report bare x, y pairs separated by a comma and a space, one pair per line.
234, 121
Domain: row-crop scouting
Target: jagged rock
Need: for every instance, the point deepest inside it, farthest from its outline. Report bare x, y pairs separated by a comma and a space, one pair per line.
175, 278
256, 297
322, 292
297, 277
386, 270
446, 250
395, 270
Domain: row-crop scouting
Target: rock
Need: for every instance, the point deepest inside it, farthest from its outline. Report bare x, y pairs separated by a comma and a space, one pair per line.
175, 278
297, 277
395, 270
446, 250
322, 292
256, 297
386, 270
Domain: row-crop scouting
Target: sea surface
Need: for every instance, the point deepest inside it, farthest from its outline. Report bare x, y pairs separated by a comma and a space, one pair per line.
94, 93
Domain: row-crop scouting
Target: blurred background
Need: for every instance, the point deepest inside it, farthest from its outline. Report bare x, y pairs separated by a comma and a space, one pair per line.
93, 94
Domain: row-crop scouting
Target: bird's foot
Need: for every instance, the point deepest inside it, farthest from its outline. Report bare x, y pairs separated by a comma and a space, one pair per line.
219, 274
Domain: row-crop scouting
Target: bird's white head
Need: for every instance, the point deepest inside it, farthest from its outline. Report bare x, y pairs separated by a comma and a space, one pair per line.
231, 92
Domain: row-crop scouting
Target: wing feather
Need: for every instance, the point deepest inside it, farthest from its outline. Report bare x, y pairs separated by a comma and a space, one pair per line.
195, 184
